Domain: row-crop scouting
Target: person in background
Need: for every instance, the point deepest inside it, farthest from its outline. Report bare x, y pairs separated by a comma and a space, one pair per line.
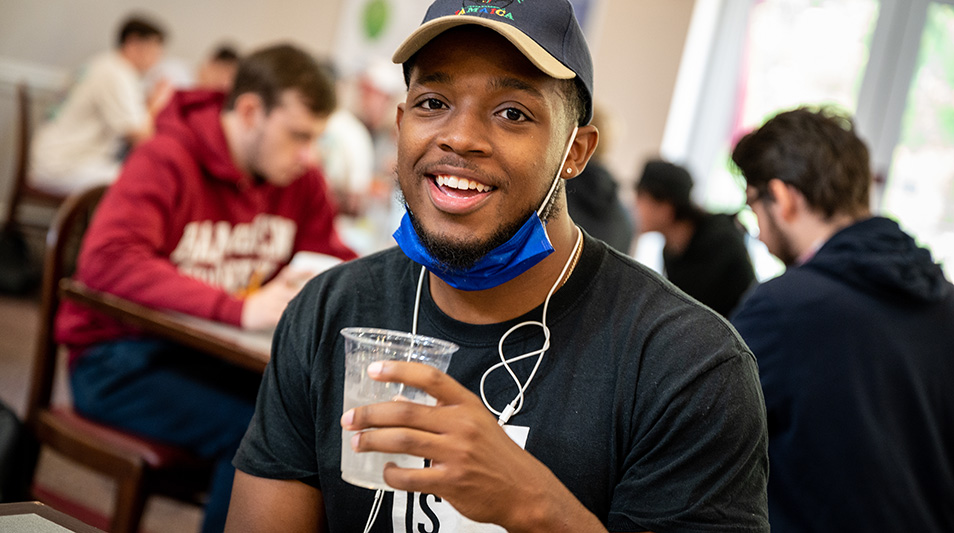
645, 413
593, 200
346, 155
853, 340
105, 113
217, 72
705, 253
211, 208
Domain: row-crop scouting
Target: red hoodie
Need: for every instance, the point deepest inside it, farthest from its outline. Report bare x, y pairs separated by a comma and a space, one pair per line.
184, 229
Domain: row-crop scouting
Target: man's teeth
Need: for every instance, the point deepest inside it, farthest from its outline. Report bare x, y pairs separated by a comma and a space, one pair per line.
462, 183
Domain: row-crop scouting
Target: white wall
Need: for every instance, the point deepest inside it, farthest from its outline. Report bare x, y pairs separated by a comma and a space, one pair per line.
636, 45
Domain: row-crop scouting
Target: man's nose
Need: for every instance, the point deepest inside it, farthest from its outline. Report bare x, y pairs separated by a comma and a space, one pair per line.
465, 132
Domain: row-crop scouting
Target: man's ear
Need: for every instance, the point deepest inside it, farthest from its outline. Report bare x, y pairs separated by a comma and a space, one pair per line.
399, 114
787, 199
581, 151
249, 108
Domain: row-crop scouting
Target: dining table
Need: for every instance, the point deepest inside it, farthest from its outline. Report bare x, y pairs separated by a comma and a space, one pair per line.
250, 349
36, 517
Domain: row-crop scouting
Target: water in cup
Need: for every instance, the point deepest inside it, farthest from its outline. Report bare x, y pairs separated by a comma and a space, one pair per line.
364, 346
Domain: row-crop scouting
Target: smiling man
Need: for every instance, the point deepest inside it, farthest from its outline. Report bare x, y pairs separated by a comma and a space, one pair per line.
628, 406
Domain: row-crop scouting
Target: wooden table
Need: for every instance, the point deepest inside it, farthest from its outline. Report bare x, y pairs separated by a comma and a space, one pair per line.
249, 349
35, 517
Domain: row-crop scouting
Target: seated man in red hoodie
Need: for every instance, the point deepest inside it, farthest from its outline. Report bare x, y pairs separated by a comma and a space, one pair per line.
225, 193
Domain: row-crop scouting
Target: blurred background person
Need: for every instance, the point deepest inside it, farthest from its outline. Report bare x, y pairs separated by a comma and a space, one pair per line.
105, 113
592, 197
704, 253
853, 340
365, 185
346, 154
217, 72
204, 220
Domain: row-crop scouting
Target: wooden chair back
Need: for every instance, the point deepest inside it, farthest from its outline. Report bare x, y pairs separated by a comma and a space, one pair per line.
139, 466
21, 191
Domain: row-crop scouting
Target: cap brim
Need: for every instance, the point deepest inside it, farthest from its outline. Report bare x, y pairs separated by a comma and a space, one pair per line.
527, 46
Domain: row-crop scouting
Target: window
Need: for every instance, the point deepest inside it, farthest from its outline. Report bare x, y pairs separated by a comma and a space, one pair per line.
889, 62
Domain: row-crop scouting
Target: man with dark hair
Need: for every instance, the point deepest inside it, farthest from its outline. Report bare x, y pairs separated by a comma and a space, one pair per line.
141, 29
628, 407
853, 341
221, 197
705, 253
106, 112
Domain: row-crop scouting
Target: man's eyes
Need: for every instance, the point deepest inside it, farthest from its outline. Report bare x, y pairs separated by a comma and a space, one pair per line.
514, 114
431, 104
511, 114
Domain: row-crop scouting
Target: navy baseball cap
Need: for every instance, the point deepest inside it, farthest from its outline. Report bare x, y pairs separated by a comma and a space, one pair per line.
545, 31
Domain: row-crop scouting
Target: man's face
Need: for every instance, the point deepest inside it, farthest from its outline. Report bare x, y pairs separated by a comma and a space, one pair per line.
481, 136
653, 214
144, 52
775, 239
283, 140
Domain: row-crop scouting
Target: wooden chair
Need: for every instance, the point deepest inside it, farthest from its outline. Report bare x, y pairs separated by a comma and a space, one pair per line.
141, 467
22, 191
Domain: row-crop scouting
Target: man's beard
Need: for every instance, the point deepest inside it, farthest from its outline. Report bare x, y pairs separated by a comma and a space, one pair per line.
457, 256
784, 249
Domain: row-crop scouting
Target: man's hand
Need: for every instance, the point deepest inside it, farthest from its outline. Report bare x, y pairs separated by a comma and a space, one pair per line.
265, 306
475, 466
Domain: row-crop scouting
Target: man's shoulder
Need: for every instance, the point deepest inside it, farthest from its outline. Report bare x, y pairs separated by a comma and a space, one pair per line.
635, 290
109, 66
384, 268
797, 292
165, 148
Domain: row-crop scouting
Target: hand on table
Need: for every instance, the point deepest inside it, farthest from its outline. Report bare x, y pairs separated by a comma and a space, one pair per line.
475, 465
263, 307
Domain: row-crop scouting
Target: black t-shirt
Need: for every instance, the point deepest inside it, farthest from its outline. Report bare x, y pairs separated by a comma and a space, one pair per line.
715, 267
647, 406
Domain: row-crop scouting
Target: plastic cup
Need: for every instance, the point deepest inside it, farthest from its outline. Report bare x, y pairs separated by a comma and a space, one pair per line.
364, 346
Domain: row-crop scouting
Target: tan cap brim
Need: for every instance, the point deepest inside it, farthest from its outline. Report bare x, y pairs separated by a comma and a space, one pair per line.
533, 51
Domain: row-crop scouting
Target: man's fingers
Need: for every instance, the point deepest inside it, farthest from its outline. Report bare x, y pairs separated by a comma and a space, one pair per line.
444, 388
425, 480
391, 414
397, 440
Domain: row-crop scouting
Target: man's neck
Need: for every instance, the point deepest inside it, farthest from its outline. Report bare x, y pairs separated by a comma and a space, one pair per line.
234, 138
519, 295
815, 232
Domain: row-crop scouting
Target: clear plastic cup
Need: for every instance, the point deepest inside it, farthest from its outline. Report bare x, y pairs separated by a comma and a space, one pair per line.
364, 346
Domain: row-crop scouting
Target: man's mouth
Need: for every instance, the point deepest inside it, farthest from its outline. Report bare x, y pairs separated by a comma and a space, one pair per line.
460, 186
454, 194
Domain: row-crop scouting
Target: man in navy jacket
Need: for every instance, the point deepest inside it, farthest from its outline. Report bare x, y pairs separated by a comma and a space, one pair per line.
853, 341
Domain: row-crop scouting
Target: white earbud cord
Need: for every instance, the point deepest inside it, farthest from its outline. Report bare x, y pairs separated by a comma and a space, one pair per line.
517, 403
514, 406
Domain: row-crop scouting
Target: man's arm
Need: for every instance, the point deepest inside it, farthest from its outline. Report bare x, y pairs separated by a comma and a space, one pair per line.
262, 505
125, 251
155, 102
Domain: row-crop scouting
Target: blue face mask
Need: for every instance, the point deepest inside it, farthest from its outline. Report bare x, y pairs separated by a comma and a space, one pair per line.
526, 248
